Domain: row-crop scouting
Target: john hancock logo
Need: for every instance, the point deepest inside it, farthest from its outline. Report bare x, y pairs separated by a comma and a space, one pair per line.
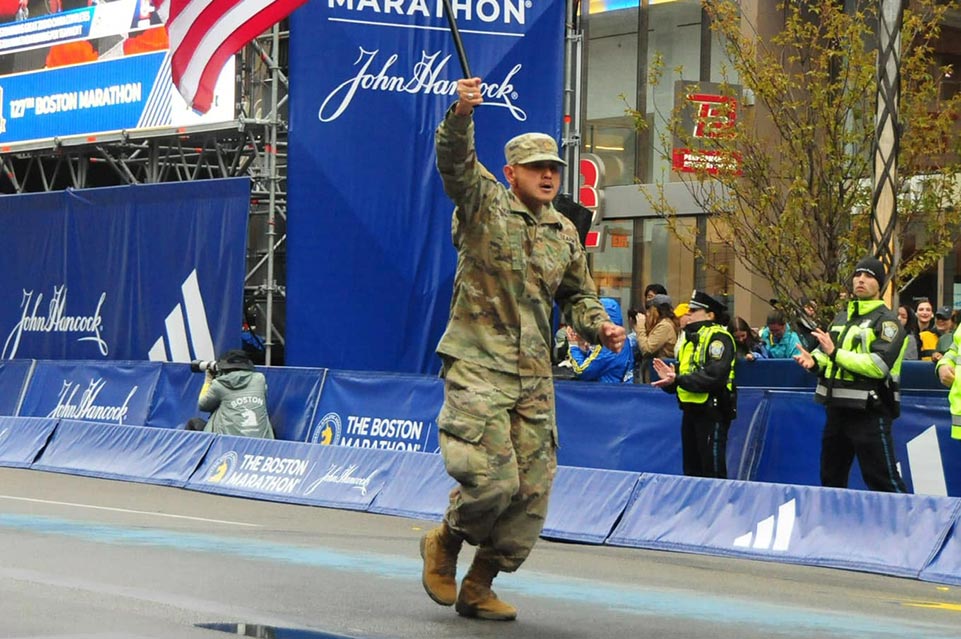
222, 468
328, 431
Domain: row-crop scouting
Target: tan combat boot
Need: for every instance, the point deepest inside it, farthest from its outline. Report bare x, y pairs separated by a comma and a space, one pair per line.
476, 599
439, 549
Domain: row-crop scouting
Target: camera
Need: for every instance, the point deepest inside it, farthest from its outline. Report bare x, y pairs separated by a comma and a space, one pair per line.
203, 366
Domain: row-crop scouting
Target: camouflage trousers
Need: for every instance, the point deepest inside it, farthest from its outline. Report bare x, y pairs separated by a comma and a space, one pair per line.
499, 441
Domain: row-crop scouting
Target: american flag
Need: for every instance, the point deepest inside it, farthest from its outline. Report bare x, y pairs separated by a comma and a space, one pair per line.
205, 33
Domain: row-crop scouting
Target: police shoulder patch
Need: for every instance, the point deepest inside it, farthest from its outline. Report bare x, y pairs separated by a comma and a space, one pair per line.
715, 349
889, 330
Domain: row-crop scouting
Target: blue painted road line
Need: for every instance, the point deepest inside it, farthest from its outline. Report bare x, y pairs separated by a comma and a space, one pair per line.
619, 597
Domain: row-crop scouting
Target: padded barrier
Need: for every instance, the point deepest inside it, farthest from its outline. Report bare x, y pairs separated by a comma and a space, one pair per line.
889, 534
134, 453
22, 439
631, 428
420, 489
858, 530
945, 568
586, 503
333, 476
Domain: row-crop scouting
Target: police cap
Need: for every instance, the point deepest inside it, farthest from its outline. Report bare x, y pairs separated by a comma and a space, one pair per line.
700, 299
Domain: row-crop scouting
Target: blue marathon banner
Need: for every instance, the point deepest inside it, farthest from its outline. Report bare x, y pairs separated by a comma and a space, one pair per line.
13, 384
133, 272
22, 439
89, 391
294, 472
378, 410
73, 68
369, 219
132, 453
858, 530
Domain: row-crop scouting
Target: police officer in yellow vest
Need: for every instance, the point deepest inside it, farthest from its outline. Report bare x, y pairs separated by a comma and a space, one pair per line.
704, 383
858, 362
947, 369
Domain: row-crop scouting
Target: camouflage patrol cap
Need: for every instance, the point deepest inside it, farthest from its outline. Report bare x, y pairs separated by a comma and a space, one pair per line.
532, 147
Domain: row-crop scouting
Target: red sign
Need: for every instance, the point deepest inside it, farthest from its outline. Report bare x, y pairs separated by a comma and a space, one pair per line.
714, 115
712, 162
591, 174
593, 240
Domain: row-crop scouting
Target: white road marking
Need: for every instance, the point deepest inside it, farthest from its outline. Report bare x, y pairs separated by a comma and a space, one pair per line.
127, 510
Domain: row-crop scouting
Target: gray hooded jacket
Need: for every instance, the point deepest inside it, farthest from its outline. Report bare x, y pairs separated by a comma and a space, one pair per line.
237, 401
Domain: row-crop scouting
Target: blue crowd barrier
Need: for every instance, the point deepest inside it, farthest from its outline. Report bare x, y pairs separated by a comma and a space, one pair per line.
632, 428
292, 396
585, 503
387, 411
858, 530
13, 384
112, 392
903, 535
22, 439
420, 489
332, 476
945, 567
784, 444
786, 374
134, 453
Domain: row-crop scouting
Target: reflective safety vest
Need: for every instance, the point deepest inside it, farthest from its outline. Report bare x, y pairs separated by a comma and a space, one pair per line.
693, 357
952, 359
855, 376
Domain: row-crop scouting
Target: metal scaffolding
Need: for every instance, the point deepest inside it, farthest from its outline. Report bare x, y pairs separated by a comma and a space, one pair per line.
253, 145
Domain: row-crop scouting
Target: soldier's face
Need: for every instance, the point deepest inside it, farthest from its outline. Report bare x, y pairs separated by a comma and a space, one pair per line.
534, 184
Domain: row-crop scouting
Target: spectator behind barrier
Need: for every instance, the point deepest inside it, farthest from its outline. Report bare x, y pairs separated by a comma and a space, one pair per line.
944, 322
598, 363
749, 346
779, 339
235, 395
926, 330
656, 333
913, 339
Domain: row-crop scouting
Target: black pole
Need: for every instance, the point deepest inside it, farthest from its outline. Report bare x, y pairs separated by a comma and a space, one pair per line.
458, 43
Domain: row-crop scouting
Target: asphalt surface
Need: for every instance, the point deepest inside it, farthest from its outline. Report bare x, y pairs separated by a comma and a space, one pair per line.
86, 558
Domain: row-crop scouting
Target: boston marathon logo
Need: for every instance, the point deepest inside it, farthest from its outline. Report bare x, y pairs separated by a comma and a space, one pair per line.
221, 468
56, 320
85, 407
364, 431
425, 77
262, 473
328, 431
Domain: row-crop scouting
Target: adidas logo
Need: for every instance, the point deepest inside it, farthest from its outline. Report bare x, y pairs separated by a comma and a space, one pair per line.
773, 533
190, 316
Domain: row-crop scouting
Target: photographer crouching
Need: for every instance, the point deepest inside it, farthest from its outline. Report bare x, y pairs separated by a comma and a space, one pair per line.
235, 395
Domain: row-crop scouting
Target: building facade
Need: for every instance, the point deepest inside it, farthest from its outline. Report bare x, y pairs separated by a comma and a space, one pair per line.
621, 39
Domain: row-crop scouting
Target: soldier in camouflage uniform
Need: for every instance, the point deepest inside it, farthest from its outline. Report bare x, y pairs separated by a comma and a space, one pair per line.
516, 256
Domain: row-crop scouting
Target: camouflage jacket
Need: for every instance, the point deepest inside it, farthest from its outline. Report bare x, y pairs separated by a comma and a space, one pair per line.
511, 266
